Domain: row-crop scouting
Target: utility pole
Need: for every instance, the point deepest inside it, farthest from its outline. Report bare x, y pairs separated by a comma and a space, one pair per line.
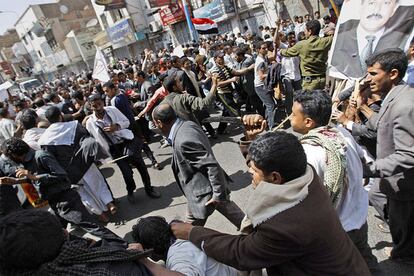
236, 11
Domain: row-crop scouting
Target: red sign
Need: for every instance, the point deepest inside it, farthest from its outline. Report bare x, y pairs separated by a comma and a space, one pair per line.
5, 65
172, 14
160, 3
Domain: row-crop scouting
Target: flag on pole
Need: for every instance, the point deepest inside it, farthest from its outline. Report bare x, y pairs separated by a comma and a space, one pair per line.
205, 25
100, 67
193, 34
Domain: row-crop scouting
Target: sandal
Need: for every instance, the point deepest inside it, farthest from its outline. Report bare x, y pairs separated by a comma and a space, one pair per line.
112, 208
157, 166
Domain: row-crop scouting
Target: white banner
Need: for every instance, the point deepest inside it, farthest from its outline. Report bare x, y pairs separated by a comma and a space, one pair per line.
100, 67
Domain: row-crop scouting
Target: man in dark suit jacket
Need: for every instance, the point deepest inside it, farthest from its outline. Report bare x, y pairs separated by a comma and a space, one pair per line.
196, 170
395, 151
346, 54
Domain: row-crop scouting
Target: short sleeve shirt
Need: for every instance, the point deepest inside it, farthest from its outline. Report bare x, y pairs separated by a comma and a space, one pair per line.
224, 73
260, 64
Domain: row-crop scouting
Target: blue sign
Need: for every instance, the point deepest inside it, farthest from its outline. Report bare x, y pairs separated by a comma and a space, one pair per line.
140, 36
215, 10
121, 34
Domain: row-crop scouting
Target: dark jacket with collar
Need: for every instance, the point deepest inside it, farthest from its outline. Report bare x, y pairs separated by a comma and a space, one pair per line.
196, 170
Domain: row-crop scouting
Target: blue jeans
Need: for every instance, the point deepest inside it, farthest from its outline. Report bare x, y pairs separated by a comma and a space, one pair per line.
269, 102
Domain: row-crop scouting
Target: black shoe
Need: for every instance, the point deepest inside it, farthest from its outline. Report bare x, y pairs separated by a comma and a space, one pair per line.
152, 193
213, 135
222, 132
131, 197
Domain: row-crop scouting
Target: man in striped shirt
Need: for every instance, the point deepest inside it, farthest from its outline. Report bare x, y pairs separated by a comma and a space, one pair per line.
226, 77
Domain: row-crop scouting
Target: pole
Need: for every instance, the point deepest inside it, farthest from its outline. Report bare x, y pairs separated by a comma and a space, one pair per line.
188, 19
236, 11
81, 52
334, 7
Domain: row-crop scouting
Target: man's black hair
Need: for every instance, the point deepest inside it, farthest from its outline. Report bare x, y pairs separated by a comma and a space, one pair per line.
141, 74
240, 52
53, 114
28, 239
95, 97
169, 82
89, 76
393, 58
39, 102
259, 44
19, 104
4, 111
78, 95
291, 33
109, 84
164, 113
279, 152
174, 59
153, 232
28, 119
184, 60
313, 26
129, 70
15, 147
51, 96
316, 104
326, 17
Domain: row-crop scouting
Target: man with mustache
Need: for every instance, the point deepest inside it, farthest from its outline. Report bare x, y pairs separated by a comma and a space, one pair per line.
383, 24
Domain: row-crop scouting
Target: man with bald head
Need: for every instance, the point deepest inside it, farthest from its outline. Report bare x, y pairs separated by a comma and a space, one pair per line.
196, 170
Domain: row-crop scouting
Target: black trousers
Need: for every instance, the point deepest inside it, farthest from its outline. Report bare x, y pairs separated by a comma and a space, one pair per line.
360, 239
135, 159
231, 108
401, 222
290, 86
254, 104
68, 206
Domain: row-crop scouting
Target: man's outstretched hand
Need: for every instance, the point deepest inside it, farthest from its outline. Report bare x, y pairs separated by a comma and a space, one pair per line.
254, 124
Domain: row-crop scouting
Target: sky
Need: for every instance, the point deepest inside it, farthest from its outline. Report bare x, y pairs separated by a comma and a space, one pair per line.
7, 20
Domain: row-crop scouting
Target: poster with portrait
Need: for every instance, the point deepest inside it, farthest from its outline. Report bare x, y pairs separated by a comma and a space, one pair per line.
365, 27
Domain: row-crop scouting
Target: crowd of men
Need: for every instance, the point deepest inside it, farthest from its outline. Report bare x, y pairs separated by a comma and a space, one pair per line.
307, 214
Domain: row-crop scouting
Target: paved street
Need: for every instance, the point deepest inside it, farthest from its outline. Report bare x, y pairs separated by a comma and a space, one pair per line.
172, 204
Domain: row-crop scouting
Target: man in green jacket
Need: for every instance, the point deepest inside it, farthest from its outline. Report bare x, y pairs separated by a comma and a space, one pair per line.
313, 53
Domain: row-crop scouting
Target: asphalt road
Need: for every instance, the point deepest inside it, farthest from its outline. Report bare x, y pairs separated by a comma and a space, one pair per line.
172, 203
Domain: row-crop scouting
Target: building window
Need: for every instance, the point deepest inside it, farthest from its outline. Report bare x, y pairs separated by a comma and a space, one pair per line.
50, 38
104, 21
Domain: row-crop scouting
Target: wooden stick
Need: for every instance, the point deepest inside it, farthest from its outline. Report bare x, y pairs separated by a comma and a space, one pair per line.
335, 7
282, 123
115, 160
